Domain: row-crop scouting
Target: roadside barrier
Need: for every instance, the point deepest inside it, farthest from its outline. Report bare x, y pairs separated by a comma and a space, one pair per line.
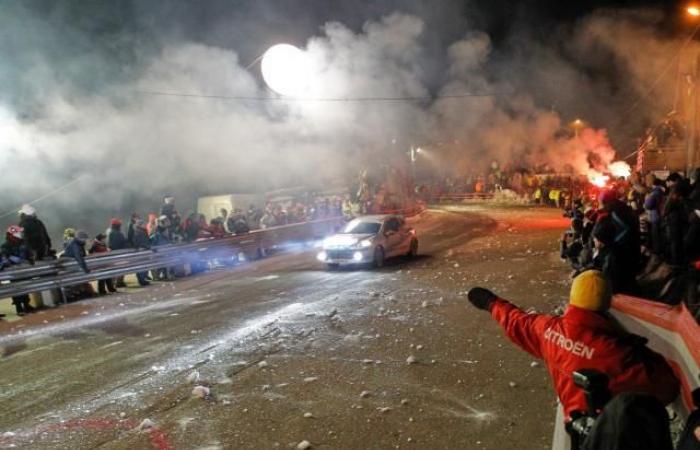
471, 196
61, 273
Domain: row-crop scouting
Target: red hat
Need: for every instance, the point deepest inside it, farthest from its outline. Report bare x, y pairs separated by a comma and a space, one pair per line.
115, 221
16, 231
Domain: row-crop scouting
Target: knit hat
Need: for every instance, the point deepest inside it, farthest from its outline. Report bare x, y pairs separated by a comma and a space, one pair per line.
591, 291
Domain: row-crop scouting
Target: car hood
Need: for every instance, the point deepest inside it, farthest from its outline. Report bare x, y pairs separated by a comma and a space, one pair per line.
344, 240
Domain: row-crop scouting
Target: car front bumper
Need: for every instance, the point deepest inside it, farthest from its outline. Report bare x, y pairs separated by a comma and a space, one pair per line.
346, 255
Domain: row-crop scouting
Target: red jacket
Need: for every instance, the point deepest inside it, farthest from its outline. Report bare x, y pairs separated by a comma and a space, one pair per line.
582, 339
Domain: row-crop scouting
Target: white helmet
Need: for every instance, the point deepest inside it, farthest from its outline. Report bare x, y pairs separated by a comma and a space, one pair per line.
27, 210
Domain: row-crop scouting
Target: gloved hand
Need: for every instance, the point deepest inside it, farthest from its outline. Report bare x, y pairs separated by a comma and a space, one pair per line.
481, 298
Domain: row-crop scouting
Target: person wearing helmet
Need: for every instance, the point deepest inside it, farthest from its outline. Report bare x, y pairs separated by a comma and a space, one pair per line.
586, 336
14, 251
76, 249
35, 234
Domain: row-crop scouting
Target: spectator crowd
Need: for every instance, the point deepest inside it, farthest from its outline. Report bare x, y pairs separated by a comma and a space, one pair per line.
643, 234
28, 241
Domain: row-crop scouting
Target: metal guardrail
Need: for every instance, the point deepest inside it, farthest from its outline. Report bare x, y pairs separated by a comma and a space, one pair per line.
464, 197
65, 272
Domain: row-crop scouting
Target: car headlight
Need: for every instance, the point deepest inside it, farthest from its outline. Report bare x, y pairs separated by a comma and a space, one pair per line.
366, 243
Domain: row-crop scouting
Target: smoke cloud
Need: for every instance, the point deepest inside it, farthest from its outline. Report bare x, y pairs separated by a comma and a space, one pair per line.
90, 105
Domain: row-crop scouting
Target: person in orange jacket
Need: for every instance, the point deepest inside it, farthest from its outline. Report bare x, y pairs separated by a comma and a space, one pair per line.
586, 336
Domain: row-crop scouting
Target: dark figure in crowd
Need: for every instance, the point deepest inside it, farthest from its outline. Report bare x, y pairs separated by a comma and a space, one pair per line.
117, 241
76, 249
191, 227
625, 245
35, 236
675, 222
586, 336
223, 217
141, 241
694, 196
631, 421
572, 246
237, 223
100, 246
168, 207
130, 230
14, 251
654, 205
161, 236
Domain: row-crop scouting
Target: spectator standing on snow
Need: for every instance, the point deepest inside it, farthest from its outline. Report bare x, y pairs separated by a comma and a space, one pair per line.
141, 241
586, 336
130, 230
117, 241
12, 252
100, 246
36, 238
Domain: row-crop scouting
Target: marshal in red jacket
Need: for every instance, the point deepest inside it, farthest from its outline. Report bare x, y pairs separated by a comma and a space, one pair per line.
582, 339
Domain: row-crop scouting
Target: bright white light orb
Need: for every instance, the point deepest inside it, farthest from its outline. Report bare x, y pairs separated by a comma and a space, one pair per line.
286, 69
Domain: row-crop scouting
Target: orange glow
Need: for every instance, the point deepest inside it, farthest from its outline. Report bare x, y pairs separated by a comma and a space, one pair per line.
693, 11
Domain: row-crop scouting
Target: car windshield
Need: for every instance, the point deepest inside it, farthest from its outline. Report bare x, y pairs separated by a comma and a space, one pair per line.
360, 227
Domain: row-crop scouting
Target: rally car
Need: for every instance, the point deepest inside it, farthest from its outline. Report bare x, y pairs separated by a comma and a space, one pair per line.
369, 240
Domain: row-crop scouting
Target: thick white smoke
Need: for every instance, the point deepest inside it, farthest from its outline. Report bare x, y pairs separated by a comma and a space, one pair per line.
129, 143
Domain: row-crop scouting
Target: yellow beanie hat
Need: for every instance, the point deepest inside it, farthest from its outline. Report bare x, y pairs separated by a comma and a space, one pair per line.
591, 291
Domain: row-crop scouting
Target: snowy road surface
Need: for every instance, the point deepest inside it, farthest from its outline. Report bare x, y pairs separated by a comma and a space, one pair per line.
282, 351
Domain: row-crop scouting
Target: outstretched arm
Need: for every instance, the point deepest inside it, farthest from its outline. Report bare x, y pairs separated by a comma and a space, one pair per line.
525, 330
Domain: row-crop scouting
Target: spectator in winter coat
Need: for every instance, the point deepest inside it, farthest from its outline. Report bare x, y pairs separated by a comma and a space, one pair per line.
141, 241
223, 218
152, 224
117, 241
168, 207
216, 228
238, 223
691, 240
14, 251
654, 206
625, 245
76, 249
161, 235
675, 222
191, 227
68, 235
130, 230
100, 246
35, 236
586, 336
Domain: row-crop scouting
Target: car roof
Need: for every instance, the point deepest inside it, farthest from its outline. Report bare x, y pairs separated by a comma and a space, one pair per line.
377, 217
